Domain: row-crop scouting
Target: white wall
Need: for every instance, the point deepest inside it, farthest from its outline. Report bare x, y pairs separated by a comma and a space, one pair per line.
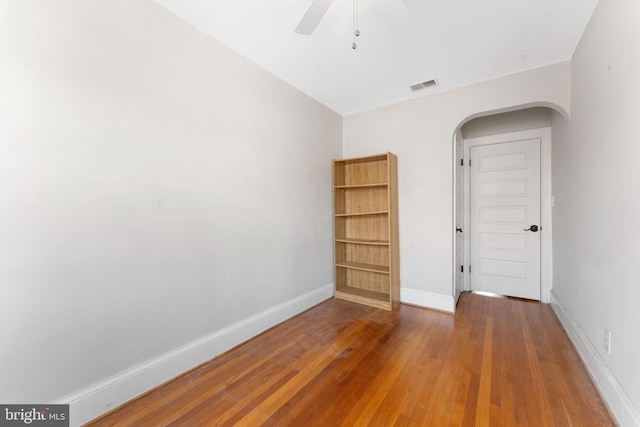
420, 132
513, 121
596, 182
155, 187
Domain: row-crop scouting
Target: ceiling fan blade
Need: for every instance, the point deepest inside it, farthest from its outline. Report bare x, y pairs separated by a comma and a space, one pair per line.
312, 16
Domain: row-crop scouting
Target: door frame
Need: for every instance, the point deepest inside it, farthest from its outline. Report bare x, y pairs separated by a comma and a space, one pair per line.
546, 242
458, 140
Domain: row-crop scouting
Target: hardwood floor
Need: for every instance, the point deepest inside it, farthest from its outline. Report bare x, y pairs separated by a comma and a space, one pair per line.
497, 362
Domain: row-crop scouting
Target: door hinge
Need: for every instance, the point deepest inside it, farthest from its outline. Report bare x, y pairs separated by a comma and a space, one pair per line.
469, 269
461, 162
462, 269
469, 162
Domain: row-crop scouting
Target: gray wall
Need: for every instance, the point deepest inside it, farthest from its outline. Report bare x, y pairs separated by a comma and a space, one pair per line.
420, 133
596, 182
155, 187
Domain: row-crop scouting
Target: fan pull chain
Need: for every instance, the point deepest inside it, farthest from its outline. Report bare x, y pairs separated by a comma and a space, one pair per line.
356, 31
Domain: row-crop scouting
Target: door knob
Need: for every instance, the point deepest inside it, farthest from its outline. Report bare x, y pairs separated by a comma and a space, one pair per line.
459, 230
532, 228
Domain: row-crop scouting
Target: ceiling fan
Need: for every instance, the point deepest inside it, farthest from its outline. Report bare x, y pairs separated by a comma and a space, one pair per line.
312, 16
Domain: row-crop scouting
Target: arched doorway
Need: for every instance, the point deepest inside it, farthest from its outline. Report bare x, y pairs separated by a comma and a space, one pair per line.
494, 264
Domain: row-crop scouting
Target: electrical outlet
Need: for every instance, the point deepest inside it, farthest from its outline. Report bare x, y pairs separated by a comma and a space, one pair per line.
607, 341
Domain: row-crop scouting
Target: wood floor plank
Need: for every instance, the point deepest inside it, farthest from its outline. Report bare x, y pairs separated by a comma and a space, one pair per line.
363, 412
404, 392
497, 362
447, 380
484, 393
310, 365
539, 388
461, 376
328, 396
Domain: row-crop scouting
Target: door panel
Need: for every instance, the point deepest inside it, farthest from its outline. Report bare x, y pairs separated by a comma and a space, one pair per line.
505, 200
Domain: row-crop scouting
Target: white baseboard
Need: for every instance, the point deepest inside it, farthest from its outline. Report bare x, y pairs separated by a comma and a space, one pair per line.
428, 300
620, 406
93, 401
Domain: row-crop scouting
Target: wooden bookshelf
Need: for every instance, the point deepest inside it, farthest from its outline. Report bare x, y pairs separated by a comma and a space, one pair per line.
366, 230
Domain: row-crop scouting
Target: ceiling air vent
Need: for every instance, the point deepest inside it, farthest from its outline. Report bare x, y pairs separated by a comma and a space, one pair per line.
424, 85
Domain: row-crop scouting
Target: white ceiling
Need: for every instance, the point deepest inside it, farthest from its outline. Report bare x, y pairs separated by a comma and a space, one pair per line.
402, 42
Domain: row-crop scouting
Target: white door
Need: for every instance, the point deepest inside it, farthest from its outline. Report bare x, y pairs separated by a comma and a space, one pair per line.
505, 218
459, 276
